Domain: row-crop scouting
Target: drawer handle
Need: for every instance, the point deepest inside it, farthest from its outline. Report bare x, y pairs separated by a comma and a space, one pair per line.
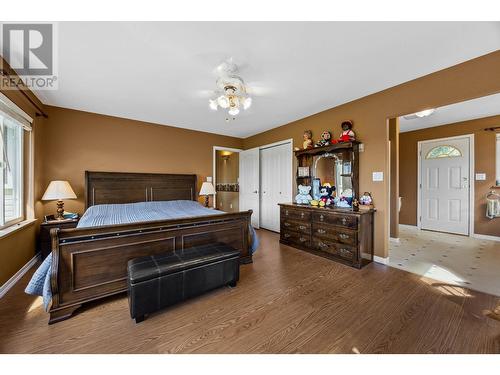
287, 224
321, 217
302, 215
321, 231
286, 212
344, 236
321, 244
302, 227
344, 220
302, 239
287, 235
345, 252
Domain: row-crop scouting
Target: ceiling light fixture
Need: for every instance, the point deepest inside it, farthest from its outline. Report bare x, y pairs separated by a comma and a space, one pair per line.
425, 113
231, 91
420, 114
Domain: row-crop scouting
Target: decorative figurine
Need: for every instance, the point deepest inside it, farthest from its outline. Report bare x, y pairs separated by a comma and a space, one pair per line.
308, 142
303, 197
325, 193
347, 134
365, 201
325, 140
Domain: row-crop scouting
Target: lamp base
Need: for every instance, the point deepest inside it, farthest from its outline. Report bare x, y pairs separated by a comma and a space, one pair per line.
206, 201
60, 210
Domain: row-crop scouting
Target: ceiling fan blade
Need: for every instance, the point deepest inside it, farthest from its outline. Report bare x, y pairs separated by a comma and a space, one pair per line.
257, 90
204, 94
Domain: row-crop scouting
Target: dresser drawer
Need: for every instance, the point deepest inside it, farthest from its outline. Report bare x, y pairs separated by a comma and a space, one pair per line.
347, 221
290, 213
297, 226
342, 251
296, 238
336, 234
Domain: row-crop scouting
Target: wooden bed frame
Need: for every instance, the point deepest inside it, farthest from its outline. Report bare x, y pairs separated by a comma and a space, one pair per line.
91, 263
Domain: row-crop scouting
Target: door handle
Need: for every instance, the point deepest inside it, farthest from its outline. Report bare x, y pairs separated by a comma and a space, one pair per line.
256, 191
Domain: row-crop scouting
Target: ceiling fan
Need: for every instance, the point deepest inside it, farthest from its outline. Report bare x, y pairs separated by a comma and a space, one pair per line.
231, 94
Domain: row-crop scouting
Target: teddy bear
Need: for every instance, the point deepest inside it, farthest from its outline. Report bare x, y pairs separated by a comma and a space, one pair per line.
326, 136
303, 197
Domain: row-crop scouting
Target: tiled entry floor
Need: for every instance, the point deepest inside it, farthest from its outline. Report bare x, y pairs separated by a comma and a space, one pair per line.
458, 260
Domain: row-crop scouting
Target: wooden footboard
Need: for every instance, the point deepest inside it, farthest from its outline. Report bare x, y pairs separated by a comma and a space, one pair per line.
91, 263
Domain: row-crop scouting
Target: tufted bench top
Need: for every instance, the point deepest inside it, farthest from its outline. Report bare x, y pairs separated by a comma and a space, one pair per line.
149, 267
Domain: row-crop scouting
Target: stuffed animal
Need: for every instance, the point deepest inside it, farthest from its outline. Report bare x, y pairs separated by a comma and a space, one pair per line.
308, 142
347, 134
325, 193
326, 137
303, 197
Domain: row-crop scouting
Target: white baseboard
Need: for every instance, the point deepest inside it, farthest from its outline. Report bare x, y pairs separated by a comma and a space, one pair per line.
17, 276
485, 237
381, 260
407, 226
376, 258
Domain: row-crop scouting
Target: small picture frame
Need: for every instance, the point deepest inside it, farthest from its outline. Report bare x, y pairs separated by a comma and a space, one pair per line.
303, 172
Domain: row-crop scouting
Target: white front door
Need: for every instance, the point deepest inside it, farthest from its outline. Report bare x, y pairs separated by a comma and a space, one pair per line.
444, 173
249, 183
276, 185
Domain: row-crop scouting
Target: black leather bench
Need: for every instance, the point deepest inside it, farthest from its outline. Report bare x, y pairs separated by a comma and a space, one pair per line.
158, 281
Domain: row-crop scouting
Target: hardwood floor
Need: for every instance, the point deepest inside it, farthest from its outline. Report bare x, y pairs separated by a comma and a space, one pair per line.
287, 301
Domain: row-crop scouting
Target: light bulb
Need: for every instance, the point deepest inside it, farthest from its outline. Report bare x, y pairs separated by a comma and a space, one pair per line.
425, 113
247, 103
212, 104
234, 111
223, 101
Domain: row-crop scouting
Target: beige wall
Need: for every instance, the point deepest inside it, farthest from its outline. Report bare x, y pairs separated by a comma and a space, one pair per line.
484, 161
76, 141
18, 248
472, 79
394, 177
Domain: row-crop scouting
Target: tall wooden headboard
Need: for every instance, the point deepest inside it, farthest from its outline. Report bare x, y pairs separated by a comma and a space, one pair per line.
117, 187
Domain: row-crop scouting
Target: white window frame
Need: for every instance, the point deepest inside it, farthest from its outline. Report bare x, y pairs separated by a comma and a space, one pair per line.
14, 113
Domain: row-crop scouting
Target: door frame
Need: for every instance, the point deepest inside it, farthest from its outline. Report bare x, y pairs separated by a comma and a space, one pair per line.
214, 166
471, 179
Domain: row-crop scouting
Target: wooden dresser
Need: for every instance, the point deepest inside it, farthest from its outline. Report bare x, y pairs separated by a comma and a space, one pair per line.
343, 235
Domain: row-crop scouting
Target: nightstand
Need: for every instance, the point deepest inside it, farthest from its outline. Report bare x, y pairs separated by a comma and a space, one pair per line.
45, 227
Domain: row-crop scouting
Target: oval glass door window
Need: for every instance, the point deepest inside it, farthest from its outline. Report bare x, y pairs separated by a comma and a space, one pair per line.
444, 151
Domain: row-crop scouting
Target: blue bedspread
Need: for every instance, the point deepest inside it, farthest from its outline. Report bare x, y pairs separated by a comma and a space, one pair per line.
111, 214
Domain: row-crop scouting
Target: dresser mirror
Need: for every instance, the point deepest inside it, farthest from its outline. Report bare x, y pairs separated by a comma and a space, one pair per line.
335, 169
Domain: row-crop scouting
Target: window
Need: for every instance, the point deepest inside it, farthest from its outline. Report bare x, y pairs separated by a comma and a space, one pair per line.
443, 151
11, 176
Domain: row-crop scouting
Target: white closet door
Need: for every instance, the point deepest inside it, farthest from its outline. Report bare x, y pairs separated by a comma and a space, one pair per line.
276, 186
249, 183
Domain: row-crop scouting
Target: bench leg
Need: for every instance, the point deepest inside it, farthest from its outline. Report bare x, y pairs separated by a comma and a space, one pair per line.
139, 319
233, 283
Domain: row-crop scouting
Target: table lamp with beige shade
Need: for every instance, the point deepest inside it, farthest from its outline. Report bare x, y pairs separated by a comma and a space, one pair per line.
207, 189
59, 190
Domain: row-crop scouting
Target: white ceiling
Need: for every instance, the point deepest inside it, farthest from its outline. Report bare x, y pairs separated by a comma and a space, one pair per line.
463, 111
156, 72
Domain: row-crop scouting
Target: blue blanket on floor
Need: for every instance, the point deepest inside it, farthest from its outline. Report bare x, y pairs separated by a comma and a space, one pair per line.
112, 214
